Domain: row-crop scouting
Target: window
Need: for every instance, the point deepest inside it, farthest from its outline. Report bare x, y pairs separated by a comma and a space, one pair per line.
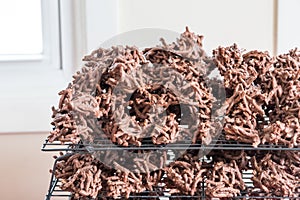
29, 33
21, 27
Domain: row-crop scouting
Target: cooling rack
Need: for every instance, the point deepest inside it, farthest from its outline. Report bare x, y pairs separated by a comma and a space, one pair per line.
106, 145
56, 192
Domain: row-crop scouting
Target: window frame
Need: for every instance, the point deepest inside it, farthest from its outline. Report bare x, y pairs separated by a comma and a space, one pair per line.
287, 30
29, 87
29, 83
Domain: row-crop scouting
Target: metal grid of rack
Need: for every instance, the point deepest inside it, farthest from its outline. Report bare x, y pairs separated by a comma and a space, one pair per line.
105, 145
57, 193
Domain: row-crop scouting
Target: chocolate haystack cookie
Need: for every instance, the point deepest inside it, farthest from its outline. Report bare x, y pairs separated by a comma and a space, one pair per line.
128, 95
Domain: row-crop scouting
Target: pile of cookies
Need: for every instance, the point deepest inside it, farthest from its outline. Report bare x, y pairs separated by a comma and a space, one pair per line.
134, 98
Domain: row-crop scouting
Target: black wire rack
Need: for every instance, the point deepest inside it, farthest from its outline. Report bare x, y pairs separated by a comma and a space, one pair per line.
105, 145
56, 192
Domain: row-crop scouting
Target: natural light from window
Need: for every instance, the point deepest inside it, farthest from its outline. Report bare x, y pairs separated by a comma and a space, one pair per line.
21, 27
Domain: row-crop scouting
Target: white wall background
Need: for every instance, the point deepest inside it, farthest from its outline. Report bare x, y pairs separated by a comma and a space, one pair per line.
247, 23
101, 21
